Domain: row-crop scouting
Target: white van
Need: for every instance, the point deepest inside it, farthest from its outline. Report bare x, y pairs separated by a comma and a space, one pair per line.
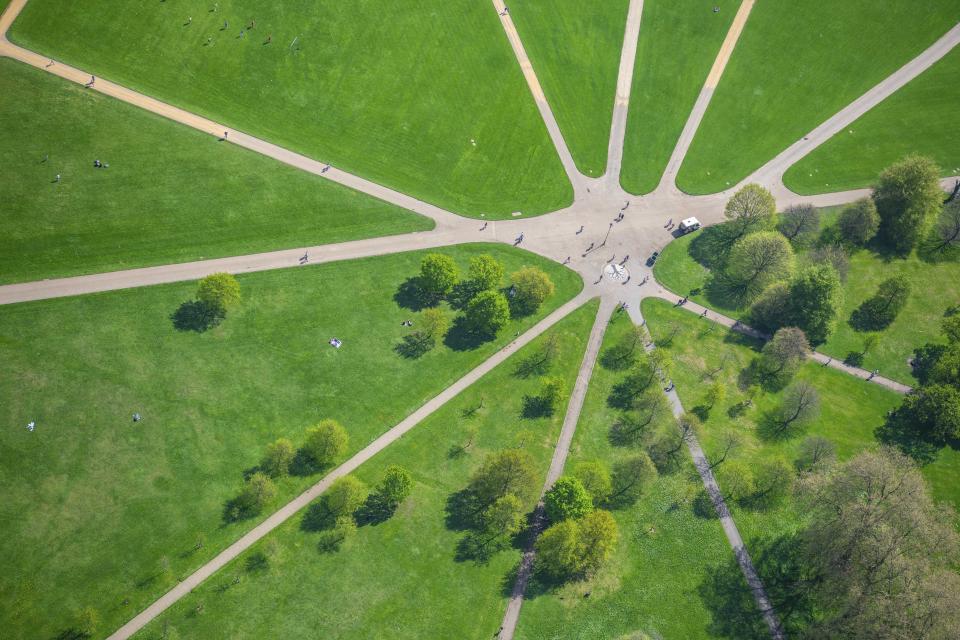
688, 225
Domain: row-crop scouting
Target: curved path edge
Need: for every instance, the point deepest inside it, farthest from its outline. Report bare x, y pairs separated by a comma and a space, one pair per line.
383, 441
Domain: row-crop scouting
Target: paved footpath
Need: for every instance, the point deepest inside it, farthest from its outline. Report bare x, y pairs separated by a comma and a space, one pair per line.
669, 178
621, 105
739, 327
386, 439
560, 453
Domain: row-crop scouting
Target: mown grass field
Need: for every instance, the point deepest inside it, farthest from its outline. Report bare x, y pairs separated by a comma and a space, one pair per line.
679, 40
170, 194
397, 579
795, 66
651, 583
935, 289
100, 509
916, 119
575, 50
442, 113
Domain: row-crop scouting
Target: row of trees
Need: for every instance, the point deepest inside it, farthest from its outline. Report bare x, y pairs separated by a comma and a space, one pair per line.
486, 307
323, 445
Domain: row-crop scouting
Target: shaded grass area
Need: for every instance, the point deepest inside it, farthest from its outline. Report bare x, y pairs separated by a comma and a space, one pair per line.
398, 579
850, 408
918, 118
664, 553
575, 50
170, 194
361, 85
935, 291
794, 67
666, 82
101, 510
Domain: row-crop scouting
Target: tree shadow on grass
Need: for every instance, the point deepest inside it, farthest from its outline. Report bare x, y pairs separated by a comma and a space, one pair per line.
898, 433
410, 295
461, 338
711, 247
414, 345
303, 465
932, 250
375, 510
462, 511
724, 293
730, 600
317, 517
194, 315
72, 634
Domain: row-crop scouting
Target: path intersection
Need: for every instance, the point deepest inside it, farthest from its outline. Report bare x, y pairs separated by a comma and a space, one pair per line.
603, 226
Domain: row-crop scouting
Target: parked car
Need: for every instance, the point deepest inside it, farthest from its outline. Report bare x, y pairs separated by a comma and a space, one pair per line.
688, 225
653, 258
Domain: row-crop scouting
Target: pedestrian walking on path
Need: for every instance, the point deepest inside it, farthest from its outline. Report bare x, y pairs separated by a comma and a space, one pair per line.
92, 80
57, 179
579, 231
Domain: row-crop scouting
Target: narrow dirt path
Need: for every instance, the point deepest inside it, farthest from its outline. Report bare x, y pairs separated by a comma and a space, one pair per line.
621, 106
772, 172
386, 439
573, 174
574, 406
669, 178
736, 325
716, 497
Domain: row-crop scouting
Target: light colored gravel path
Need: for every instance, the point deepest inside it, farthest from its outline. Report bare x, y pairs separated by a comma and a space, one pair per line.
726, 520
669, 178
560, 453
573, 174
294, 506
736, 325
771, 173
621, 105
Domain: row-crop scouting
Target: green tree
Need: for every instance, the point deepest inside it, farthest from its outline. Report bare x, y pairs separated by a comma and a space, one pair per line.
816, 453
879, 311
815, 300
774, 481
951, 328
833, 255
567, 498
487, 313
907, 194
504, 517
344, 497
630, 477
326, 442
595, 478
219, 292
547, 402
86, 621
931, 412
257, 493
503, 472
859, 222
558, 550
438, 275
758, 260
800, 224
783, 354
394, 486
751, 209
736, 480
434, 323
598, 535
716, 393
800, 405
531, 287
485, 273
277, 458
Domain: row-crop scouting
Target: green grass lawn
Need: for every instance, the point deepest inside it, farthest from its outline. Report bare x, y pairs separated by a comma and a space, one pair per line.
795, 66
97, 506
935, 288
850, 408
575, 50
679, 40
398, 579
913, 120
651, 584
171, 194
396, 92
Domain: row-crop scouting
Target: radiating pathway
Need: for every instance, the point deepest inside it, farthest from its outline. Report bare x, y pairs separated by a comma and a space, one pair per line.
621, 105
736, 325
297, 504
726, 520
560, 453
